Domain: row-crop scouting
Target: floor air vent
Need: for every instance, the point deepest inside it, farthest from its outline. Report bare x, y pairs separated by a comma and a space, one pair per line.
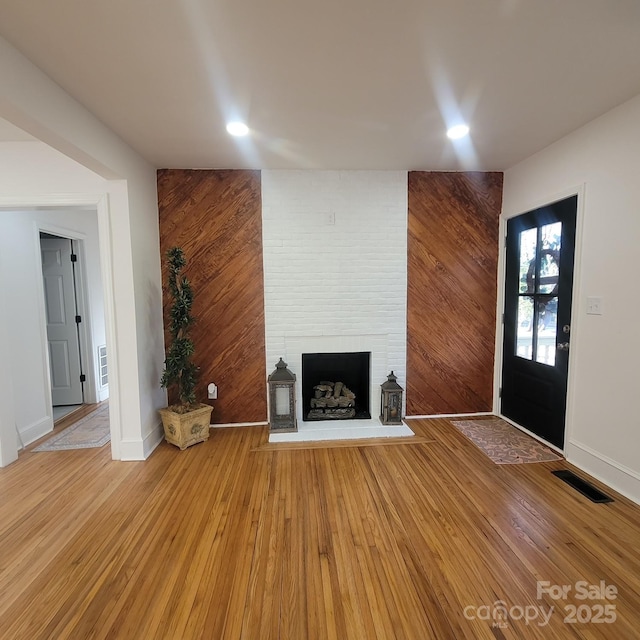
586, 489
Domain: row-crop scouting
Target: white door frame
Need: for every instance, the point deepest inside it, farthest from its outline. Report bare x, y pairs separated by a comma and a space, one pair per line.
578, 190
99, 202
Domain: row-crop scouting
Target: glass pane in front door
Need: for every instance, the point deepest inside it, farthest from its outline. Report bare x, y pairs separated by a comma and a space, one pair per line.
539, 268
546, 331
550, 235
524, 346
528, 245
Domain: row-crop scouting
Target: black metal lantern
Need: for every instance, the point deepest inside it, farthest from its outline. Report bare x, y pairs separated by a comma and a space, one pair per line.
391, 401
282, 399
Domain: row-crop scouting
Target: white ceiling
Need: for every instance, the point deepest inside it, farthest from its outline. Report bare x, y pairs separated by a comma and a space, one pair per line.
335, 84
10, 133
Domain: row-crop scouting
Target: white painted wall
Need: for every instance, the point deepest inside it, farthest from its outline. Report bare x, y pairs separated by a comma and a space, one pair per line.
32, 101
603, 428
335, 268
9, 442
32, 414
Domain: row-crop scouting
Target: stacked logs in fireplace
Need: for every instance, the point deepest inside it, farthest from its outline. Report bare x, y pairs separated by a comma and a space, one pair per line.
332, 401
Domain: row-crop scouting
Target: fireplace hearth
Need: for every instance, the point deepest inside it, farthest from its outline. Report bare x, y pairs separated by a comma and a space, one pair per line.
335, 386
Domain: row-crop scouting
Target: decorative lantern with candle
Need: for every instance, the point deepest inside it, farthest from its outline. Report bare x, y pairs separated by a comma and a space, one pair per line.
391, 401
282, 399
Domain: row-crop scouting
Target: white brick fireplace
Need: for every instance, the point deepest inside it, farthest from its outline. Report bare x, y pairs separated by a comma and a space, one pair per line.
335, 270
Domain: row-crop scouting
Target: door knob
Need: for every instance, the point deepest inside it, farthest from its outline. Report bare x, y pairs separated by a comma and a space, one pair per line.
563, 346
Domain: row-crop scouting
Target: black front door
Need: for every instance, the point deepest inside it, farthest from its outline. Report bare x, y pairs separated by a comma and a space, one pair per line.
537, 318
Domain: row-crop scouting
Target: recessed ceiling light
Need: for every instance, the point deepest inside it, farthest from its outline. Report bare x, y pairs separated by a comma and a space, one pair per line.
237, 129
457, 132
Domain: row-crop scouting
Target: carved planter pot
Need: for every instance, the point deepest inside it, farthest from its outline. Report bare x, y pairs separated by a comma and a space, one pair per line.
185, 429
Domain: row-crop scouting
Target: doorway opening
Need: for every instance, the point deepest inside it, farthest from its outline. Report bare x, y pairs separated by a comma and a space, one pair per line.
73, 314
540, 252
24, 391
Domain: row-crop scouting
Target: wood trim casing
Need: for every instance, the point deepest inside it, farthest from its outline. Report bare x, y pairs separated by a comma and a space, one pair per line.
452, 268
216, 217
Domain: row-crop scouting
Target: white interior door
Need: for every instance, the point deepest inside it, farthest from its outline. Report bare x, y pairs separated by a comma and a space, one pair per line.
62, 330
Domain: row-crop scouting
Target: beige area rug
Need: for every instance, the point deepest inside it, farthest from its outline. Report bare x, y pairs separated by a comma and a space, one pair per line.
503, 443
90, 432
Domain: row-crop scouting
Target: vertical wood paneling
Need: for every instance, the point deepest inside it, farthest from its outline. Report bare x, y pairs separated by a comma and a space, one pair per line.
215, 216
452, 288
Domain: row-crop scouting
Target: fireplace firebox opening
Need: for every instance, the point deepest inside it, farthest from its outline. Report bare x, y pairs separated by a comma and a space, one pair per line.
335, 386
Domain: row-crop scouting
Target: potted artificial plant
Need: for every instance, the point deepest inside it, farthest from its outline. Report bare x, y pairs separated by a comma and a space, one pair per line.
186, 422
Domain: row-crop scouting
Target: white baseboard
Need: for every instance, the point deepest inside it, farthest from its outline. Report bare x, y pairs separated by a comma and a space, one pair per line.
615, 475
449, 415
238, 424
152, 440
36, 430
131, 450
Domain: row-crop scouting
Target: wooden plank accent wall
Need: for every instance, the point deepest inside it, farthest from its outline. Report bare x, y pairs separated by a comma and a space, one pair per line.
452, 288
216, 217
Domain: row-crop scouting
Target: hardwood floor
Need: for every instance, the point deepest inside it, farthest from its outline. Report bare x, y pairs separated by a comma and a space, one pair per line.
230, 539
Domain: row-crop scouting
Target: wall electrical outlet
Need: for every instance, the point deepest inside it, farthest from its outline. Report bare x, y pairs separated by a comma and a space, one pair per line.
212, 392
594, 306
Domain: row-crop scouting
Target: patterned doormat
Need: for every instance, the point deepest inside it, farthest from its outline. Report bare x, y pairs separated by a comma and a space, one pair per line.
503, 443
90, 432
